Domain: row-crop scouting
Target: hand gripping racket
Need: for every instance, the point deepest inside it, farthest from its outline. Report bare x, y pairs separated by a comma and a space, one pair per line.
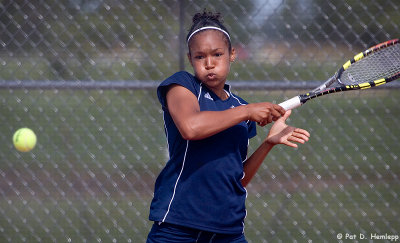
377, 65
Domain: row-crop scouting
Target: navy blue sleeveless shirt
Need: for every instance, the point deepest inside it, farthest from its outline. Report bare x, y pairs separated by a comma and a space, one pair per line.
200, 186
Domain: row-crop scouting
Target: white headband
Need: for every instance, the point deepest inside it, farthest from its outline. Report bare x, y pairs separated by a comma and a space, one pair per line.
208, 28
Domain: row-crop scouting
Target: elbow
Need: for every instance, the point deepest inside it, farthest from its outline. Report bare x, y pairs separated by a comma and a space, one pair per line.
189, 135
189, 132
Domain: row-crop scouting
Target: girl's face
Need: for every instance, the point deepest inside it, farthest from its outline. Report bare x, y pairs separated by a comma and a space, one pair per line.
210, 58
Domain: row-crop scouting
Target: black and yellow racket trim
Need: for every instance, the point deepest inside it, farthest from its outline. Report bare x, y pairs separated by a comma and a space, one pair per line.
365, 53
325, 89
366, 85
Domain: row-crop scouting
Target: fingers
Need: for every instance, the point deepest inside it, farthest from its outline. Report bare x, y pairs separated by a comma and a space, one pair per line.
301, 133
280, 109
297, 140
299, 136
273, 112
268, 120
293, 139
287, 114
264, 113
291, 144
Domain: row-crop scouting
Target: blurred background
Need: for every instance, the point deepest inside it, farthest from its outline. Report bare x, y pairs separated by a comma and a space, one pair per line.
82, 74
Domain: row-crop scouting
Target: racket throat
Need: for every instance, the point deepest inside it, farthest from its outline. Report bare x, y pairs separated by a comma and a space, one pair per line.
325, 85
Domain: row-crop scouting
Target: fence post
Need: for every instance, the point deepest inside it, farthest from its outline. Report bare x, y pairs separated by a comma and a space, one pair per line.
181, 35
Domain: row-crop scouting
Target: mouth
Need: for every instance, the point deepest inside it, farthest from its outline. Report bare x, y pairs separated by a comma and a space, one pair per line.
211, 76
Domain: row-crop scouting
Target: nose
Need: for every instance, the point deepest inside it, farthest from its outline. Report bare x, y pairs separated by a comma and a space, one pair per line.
209, 63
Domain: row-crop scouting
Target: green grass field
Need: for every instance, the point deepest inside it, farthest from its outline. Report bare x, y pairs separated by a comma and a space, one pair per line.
99, 151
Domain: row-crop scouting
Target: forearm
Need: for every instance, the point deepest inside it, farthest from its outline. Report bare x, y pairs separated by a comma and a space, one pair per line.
203, 124
253, 163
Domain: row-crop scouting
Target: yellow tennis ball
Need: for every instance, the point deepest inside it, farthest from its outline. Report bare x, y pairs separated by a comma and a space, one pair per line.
24, 139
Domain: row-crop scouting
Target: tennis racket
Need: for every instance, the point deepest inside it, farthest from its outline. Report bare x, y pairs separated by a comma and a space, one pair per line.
377, 65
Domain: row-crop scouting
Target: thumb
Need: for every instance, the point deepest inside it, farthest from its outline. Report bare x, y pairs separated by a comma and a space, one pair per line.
286, 115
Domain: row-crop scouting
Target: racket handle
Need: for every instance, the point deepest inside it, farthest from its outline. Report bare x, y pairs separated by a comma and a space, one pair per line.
291, 103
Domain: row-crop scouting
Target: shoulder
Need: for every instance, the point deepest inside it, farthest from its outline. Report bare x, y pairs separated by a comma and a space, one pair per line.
182, 78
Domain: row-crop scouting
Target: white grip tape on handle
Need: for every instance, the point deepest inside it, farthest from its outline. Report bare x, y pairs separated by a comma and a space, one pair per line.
291, 103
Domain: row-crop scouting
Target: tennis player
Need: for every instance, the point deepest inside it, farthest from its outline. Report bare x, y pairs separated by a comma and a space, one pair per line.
200, 194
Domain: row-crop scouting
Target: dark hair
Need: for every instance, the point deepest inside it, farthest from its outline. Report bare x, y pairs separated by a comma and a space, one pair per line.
208, 19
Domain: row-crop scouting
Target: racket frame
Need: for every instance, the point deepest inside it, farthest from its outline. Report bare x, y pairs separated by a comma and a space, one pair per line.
325, 88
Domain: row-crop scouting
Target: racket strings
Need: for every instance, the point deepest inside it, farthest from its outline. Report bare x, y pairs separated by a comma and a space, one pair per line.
384, 63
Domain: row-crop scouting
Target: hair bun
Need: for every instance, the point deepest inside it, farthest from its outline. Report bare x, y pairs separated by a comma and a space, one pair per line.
207, 15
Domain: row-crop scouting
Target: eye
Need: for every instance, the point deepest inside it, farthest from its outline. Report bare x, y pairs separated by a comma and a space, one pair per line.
218, 54
199, 57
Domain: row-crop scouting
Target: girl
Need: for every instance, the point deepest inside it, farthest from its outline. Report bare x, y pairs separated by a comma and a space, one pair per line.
200, 194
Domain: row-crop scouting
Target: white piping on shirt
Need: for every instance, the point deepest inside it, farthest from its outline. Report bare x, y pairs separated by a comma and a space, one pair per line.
198, 236
183, 166
176, 183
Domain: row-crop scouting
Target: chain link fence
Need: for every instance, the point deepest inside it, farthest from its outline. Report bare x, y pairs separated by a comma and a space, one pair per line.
82, 74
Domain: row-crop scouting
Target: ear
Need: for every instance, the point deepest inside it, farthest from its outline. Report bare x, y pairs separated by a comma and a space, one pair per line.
232, 55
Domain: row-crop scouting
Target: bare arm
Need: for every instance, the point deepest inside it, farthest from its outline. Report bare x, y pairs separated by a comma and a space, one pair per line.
194, 124
280, 133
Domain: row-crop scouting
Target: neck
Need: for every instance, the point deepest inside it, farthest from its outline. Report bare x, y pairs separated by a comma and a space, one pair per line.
219, 91
223, 95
